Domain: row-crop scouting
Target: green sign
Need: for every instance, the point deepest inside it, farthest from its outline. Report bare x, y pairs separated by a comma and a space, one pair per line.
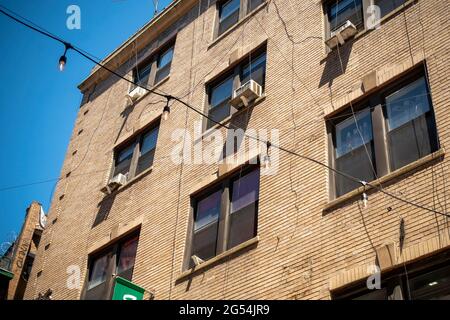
6, 273
126, 290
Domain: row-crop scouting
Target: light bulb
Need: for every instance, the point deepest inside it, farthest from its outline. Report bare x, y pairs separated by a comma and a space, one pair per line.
166, 112
62, 63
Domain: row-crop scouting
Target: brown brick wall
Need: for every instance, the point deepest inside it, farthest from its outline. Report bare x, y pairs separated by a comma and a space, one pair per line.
299, 250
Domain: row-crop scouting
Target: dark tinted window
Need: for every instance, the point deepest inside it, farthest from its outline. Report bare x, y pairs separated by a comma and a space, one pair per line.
432, 285
404, 131
220, 94
253, 4
147, 150
98, 271
238, 196
228, 14
205, 226
163, 64
255, 70
341, 11
387, 6
244, 204
141, 74
123, 159
127, 257
146, 145
353, 151
118, 259
253, 67
411, 129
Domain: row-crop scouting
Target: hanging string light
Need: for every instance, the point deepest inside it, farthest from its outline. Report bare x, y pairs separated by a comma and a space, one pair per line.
166, 110
63, 58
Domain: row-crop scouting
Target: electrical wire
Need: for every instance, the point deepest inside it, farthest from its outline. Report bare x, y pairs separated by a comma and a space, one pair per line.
46, 181
222, 125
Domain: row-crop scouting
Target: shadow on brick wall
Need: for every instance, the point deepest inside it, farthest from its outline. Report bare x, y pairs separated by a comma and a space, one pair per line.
104, 208
333, 68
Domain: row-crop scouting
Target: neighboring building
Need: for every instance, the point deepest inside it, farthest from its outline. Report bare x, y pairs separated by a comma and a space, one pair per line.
17, 261
5, 272
375, 107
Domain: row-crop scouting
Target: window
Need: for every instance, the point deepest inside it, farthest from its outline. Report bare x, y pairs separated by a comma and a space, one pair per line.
147, 150
244, 204
160, 62
425, 280
230, 11
127, 256
340, 11
253, 4
411, 128
221, 90
118, 259
141, 73
98, 272
228, 14
353, 139
123, 159
163, 64
393, 128
431, 285
137, 156
226, 215
387, 6
206, 225
220, 95
255, 70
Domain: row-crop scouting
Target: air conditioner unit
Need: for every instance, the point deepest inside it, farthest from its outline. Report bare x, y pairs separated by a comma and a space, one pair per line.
136, 93
114, 183
249, 91
340, 35
197, 260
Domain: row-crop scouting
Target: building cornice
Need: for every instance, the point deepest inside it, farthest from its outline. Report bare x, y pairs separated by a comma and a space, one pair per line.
148, 32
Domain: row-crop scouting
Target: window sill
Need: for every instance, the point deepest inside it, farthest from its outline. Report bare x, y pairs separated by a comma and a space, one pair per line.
395, 174
237, 25
228, 119
218, 258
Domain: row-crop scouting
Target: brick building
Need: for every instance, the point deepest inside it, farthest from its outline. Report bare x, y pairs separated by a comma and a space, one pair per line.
374, 107
17, 261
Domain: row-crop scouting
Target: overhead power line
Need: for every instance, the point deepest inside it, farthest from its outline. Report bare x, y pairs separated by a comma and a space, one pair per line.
169, 97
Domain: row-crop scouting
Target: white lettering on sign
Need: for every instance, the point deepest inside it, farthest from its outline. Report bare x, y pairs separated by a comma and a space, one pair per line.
129, 297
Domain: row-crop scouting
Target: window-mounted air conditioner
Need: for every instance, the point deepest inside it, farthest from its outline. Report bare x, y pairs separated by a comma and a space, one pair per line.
249, 91
340, 35
136, 93
197, 260
114, 183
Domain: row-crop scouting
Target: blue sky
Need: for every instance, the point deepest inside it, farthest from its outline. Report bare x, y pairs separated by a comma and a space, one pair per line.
38, 104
